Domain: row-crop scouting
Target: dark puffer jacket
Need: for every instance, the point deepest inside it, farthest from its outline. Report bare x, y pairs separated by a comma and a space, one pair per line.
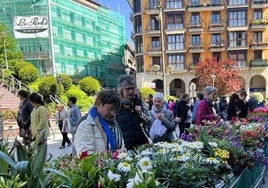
129, 122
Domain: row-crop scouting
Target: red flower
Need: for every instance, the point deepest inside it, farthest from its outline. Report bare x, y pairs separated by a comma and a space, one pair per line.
83, 155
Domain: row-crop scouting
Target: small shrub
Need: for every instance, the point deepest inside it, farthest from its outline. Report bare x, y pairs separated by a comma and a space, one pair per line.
49, 86
145, 91
90, 85
66, 81
28, 74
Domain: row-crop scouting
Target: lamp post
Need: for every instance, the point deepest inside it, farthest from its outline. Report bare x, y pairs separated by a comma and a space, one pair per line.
160, 16
213, 77
59, 82
4, 36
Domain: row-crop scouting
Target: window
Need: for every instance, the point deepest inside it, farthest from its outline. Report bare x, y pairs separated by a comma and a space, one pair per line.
257, 54
215, 2
61, 49
154, 23
239, 57
171, 4
59, 12
139, 44
72, 17
217, 55
73, 35
137, 6
257, 37
63, 67
257, 14
237, 18
74, 51
175, 42
83, 21
138, 25
195, 18
175, 21
156, 61
196, 40
216, 18
216, 39
153, 4
177, 61
156, 43
140, 66
237, 38
60, 33
84, 37
195, 2
196, 58
237, 2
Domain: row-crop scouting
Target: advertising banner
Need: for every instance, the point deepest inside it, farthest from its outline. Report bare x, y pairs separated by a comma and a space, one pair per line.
30, 26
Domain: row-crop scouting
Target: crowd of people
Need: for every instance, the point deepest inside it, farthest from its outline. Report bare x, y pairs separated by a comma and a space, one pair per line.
121, 120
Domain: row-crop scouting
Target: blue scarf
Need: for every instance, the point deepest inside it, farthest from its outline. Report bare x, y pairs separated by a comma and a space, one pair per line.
105, 126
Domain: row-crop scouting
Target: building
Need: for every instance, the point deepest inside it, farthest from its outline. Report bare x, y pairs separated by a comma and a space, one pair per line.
75, 37
194, 30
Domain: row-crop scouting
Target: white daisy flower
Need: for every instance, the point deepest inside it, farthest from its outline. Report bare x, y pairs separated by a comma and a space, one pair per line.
213, 144
212, 160
122, 155
112, 176
123, 167
130, 183
137, 179
145, 164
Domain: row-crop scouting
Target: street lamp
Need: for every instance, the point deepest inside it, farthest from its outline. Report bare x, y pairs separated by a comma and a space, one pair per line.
160, 17
213, 77
4, 36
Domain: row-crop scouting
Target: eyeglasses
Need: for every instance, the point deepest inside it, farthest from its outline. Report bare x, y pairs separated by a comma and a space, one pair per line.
129, 88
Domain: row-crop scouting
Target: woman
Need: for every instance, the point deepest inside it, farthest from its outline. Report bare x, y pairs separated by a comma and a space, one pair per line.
39, 116
60, 117
205, 107
132, 114
100, 132
232, 107
162, 124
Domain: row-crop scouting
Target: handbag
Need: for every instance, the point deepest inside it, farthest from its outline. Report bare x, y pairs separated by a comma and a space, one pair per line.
64, 128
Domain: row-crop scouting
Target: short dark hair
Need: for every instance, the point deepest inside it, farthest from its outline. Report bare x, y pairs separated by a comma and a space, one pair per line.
200, 96
109, 97
72, 99
36, 98
23, 93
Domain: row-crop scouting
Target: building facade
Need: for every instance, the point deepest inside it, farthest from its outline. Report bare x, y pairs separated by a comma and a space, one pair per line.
171, 36
75, 37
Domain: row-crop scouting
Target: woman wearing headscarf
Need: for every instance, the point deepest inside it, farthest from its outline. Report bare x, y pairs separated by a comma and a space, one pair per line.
39, 116
205, 107
162, 124
132, 114
100, 132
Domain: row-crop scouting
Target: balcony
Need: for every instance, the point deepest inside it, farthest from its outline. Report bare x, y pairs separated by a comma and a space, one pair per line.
237, 4
259, 24
174, 7
259, 4
196, 27
217, 47
36, 55
153, 30
181, 50
206, 6
175, 29
217, 27
196, 48
259, 45
154, 50
259, 63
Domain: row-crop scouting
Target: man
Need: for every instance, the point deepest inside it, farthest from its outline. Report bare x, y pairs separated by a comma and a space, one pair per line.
199, 97
25, 110
75, 114
243, 105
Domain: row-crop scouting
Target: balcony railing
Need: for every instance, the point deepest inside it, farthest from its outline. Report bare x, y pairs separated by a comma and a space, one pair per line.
258, 62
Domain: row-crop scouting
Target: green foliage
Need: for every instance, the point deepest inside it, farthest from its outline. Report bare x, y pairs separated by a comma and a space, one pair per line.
145, 91
258, 96
90, 85
35, 85
49, 86
19, 65
26, 165
83, 101
66, 81
28, 74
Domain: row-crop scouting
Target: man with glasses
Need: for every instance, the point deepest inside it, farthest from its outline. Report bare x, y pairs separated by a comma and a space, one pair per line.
132, 116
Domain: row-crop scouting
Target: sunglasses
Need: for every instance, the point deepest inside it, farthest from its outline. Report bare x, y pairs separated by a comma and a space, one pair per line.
129, 88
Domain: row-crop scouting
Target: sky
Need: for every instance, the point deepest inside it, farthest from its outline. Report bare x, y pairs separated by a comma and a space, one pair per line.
124, 9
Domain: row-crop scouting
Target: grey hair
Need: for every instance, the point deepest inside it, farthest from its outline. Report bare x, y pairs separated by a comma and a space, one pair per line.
210, 89
123, 81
